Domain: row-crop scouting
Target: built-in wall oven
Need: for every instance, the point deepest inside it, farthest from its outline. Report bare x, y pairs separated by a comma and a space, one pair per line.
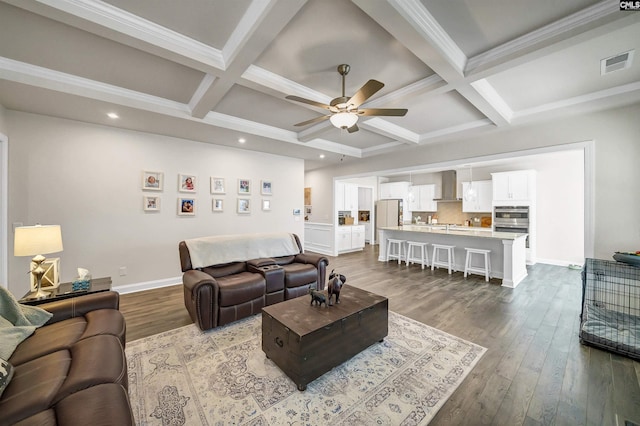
511, 219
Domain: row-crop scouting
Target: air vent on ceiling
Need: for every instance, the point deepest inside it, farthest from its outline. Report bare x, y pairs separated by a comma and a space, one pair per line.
615, 63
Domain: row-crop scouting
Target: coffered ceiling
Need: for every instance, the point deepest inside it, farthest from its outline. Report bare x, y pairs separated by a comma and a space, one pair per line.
219, 70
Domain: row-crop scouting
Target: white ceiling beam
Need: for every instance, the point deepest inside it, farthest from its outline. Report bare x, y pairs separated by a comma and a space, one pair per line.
586, 24
115, 24
260, 25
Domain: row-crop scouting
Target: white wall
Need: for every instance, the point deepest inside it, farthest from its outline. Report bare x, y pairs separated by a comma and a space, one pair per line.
615, 132
87, 178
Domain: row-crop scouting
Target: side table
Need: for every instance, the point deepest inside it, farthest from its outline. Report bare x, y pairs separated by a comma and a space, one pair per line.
64, 291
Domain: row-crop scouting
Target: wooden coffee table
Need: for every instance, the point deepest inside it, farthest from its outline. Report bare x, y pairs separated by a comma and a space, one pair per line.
307, 341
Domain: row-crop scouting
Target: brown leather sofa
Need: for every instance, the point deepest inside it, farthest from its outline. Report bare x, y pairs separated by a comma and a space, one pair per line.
72, 370
219, 294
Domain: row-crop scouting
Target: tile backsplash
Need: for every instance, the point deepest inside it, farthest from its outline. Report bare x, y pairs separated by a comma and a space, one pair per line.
450, 212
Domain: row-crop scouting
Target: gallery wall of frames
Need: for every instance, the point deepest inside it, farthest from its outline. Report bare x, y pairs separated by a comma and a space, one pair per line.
215, 194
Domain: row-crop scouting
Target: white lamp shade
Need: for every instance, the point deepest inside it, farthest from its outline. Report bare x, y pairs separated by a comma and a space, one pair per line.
38, 239
344, 120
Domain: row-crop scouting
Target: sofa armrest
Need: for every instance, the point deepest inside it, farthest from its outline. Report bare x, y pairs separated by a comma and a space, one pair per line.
319, 261
79, 306
201, 292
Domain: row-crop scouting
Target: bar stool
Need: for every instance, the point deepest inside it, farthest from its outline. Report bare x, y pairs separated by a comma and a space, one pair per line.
486, 271
400, 248
424, 253
451, 259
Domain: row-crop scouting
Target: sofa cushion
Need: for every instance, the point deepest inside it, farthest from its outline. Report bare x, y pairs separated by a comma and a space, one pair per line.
106, 404
64, 334
299, 274
240, 288
43, 382
34, 386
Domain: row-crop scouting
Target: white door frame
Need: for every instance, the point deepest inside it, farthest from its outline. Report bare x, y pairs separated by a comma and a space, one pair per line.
4, 204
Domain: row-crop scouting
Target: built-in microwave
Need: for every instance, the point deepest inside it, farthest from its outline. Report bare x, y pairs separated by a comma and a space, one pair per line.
511, 219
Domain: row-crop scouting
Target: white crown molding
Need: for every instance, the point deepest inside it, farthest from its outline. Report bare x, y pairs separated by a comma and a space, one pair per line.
600, 95
393, 131
419, 17
282, 85
251, 127
256, 11
381, 149
119, 20
426, 137
33, 75
413, 89
489, 94
201, 91
541, 35
334, 147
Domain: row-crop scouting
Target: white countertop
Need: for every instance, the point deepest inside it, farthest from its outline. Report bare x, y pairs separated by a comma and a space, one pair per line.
463, 231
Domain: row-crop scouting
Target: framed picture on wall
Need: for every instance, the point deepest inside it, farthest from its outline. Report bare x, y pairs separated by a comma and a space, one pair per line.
266, 205
217, 185
186, 183
186, 206
151, 203
152, 181
265, 187
244, 186
217, 204
244, 206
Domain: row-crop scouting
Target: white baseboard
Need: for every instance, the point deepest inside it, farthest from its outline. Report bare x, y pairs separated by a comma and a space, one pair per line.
148, 285
319, 250
555, 262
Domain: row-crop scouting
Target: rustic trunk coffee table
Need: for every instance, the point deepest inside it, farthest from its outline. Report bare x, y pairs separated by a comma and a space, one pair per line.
307, 341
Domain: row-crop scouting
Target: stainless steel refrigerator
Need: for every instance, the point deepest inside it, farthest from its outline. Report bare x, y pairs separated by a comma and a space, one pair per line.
388, 213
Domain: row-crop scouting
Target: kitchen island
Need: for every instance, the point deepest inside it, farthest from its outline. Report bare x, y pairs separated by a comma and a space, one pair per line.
508, 250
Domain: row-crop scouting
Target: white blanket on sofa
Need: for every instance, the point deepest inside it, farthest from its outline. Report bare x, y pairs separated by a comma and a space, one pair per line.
222, 249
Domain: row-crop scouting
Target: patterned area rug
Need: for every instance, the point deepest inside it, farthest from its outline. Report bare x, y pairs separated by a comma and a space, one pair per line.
222, 377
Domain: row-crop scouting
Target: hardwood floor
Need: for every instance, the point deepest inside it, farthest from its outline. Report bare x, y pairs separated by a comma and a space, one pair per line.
535, 371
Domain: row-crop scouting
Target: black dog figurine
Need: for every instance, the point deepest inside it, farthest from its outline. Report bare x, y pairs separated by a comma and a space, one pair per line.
335, 285
318, 297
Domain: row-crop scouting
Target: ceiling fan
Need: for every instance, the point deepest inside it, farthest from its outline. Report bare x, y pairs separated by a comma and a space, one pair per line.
344, 110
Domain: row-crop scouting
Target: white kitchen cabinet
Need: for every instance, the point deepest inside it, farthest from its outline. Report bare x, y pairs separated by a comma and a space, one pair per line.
350, 238
483, 200
421, 198
513, 186
347, 197
367, 232
343, 242
394, 190
365, 199
357, 236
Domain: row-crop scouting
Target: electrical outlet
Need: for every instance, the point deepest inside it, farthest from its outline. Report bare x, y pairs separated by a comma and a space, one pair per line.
123, 271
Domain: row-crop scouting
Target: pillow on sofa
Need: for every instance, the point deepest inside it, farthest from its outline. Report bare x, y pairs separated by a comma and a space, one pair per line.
6, 372
17, 322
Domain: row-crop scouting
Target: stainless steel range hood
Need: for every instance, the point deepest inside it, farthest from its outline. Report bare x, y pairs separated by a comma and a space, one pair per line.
449, 187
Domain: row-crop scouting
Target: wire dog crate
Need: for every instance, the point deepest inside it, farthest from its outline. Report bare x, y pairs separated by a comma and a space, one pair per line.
610, 317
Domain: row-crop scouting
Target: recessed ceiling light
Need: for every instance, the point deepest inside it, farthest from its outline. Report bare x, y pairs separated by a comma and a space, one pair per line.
112, 115
321, 155
242, 140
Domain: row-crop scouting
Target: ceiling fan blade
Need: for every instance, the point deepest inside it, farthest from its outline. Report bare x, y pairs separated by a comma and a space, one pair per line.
307, 101
313, 120
353, 128
397, 112
365, 92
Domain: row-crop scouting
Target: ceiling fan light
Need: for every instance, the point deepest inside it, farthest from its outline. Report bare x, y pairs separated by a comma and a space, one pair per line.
344, 120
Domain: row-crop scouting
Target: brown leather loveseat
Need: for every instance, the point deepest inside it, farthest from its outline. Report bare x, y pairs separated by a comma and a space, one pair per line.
72, 370
230, 277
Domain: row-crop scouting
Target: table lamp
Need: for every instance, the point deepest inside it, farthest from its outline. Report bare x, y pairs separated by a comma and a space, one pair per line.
37, 240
